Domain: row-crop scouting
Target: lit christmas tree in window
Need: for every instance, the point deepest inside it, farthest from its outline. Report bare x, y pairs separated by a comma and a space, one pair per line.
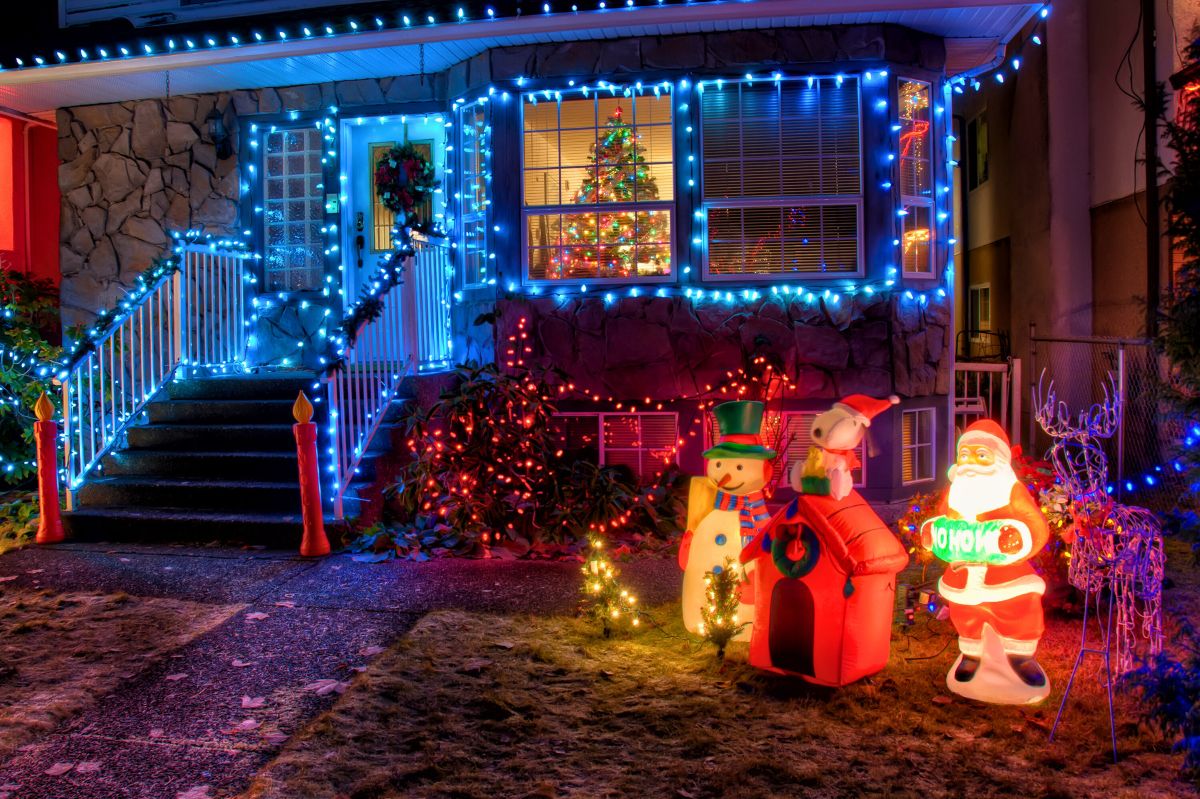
615, 243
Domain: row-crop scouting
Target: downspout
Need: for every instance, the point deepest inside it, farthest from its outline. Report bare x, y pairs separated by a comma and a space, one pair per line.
964, 217
1150, 91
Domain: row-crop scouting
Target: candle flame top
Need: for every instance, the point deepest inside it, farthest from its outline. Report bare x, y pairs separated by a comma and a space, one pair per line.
43, 408
302, 409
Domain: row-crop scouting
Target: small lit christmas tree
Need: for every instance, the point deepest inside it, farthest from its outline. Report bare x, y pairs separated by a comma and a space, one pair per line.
719, 623
603, 597
605, 244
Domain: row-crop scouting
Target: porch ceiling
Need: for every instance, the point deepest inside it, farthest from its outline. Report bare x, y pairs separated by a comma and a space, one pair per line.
973, 29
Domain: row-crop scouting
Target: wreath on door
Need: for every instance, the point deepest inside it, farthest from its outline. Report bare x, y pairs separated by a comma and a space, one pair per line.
404, 181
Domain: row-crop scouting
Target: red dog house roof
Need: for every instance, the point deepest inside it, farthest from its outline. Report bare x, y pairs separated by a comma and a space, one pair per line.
850, 531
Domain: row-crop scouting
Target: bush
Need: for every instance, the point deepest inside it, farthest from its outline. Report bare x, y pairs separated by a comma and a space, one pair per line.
1169, 690
488, 469
29, 309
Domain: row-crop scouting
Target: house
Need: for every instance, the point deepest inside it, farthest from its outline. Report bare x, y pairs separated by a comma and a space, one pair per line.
645, 195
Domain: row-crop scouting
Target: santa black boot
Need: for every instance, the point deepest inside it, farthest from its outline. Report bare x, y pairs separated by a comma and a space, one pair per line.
1028, 669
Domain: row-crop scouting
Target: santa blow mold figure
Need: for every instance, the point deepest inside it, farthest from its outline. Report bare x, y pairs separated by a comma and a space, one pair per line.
726, 508
987, 528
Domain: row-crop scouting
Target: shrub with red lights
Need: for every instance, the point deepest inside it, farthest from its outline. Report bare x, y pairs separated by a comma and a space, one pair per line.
488, 473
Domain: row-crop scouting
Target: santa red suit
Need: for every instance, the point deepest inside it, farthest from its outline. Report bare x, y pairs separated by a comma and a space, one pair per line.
1006, 595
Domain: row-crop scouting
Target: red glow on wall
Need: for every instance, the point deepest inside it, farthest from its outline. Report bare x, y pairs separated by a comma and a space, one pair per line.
8, 157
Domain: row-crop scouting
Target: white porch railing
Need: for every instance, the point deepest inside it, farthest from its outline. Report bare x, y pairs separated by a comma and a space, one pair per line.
989, 391
426, 298
411, 334
189, 317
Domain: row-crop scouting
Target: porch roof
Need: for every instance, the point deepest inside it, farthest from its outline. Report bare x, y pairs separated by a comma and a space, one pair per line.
975, 33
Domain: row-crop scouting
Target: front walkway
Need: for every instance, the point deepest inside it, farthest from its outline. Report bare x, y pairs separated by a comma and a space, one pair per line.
200, 720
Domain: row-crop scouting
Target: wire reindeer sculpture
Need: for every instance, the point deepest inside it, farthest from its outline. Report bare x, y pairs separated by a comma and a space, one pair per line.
1117, 551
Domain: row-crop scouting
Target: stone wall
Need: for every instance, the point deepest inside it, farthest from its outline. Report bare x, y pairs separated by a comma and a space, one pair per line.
665, 348
130, 173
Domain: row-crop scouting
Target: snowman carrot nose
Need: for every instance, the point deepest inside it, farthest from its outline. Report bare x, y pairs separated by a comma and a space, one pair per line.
725, 478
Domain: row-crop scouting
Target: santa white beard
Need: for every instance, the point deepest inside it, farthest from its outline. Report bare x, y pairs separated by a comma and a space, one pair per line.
975, 490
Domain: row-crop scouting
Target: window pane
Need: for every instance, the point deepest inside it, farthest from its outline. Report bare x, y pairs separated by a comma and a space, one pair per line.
917, 226
293, 211
605, 151
783, 240
916, 139
751, 129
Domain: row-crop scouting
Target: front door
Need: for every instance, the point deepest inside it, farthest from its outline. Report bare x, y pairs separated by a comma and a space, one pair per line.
367, 222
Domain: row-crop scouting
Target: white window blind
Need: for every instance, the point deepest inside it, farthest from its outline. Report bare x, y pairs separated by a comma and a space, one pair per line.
782, 176
293, 210
916, 446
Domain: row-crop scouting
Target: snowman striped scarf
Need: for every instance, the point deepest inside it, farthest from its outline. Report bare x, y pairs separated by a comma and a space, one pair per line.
751, 508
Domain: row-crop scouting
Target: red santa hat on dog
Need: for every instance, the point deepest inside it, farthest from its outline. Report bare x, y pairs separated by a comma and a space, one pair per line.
865, 408
987, 433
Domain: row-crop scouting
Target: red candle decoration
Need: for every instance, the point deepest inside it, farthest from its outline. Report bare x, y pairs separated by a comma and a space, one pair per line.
314, 544
45, 433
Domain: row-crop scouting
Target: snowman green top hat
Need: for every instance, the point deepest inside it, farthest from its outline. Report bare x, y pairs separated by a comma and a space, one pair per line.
741, 424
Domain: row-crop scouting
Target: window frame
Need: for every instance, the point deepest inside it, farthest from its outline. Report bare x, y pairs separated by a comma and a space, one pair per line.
671, 206
262, 127
974, 322
783, 201
976, 123
462, 218
907, 201
931, 445
643, 452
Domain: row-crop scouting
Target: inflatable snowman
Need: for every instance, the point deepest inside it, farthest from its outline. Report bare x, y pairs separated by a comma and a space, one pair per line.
726, 508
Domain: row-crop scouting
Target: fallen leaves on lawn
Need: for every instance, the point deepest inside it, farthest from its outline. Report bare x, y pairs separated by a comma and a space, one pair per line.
251, 702
257, 615
7, 578
198, 792
174, 677
275, 738
240, 664
325, 686
286, 603
59, 769
88, 767
370, 651
247, 725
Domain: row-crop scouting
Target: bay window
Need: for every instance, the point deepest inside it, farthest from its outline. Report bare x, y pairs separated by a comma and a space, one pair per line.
598, 188
782, 177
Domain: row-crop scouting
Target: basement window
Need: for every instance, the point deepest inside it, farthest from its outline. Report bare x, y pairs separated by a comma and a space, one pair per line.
916, 446
645, 443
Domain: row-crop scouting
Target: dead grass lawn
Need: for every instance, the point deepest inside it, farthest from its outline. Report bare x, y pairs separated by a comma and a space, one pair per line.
499, 708
61, 652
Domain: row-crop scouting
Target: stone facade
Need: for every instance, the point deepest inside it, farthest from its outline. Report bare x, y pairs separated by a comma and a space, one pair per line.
130, 173
666, 348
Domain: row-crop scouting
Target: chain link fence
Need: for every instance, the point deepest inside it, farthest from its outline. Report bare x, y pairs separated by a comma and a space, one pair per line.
1140, 453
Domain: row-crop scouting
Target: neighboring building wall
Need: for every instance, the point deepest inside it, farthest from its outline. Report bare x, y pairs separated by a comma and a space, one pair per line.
28, 205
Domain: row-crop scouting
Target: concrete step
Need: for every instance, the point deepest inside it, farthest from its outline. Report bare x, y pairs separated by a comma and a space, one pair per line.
247, 411
269, 385
210, 495
213, 438
175, 525
271, 466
